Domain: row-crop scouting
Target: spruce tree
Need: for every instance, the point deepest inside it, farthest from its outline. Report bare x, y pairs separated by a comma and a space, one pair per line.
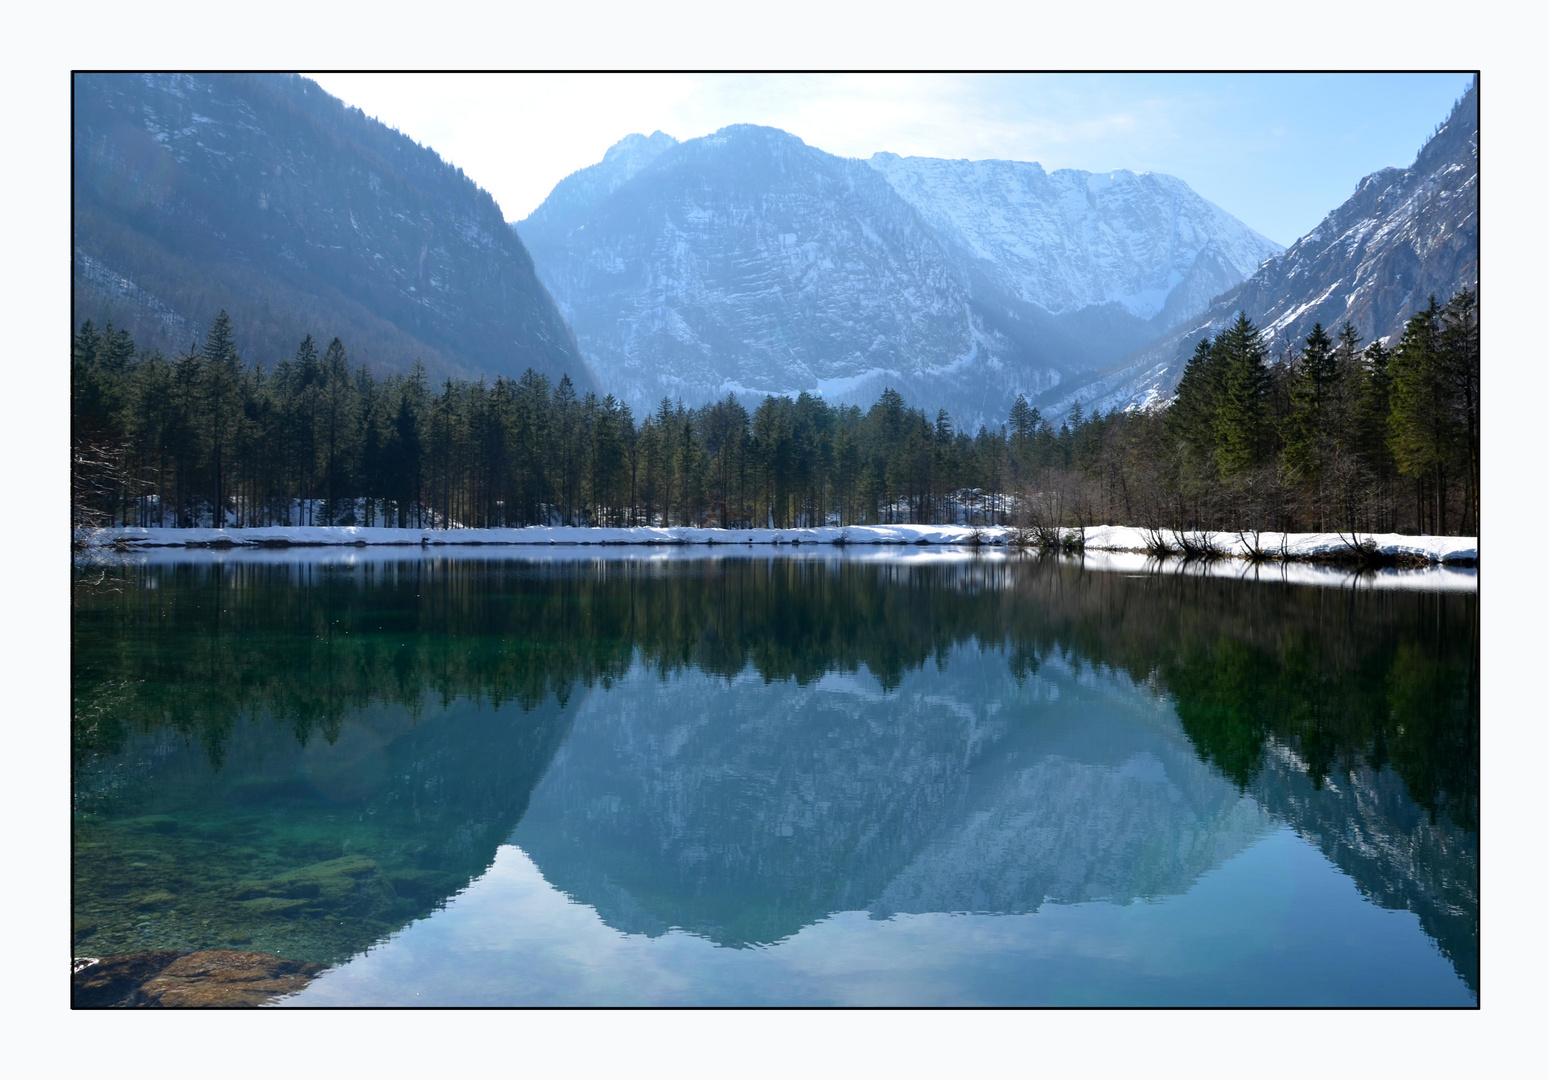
222, 371
1242, 418
1306, 429
1458, 345
335, 419
1421, 428
1191, 418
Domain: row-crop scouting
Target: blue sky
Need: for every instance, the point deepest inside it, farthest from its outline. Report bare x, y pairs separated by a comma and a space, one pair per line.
1278, 151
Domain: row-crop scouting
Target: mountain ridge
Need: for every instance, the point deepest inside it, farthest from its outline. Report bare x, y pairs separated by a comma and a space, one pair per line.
749, 262
268, 197
1403, 235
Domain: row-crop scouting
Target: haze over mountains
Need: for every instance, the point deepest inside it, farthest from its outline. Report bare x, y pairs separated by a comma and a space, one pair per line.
267, 197
742, 262
749, 262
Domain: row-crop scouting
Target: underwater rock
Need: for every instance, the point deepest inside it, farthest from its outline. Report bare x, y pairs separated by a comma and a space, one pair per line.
353, 885
273, 905
224, 979
156, 900
208, 979
102, 984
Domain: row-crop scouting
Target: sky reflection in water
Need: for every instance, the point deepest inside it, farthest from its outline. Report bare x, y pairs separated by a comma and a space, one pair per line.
1271, 927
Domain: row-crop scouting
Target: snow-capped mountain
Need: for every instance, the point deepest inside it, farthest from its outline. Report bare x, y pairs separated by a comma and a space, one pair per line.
749, 262
1070, 240
1405, 235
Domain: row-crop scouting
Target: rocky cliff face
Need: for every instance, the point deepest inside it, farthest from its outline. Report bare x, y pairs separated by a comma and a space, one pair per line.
1403, 236
265, 196
1071, 240
749, 262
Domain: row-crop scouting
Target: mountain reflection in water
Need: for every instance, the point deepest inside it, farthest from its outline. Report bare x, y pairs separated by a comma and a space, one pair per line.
303, 758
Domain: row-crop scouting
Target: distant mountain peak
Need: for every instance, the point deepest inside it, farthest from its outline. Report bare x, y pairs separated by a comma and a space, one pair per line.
653, 143
585, 188
749, 133
748, 261
1071, 240
887, 157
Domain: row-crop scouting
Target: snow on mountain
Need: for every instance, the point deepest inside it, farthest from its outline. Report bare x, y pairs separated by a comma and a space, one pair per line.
1068, 240
1403, 236
749, 262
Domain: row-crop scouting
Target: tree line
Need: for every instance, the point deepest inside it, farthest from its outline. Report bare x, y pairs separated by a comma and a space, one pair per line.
1337, 436
1330, 435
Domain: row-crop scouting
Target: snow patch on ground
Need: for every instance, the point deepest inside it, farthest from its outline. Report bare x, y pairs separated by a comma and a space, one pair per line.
1110, 538
1443, 577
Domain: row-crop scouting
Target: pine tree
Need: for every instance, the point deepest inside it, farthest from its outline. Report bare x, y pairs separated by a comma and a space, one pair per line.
1023, 418
569, 448
531, 443
1191, 418
1423, 427
406, 457
335, 419
1306, 430
222, 371
1242, 417
369, 438
1458, 344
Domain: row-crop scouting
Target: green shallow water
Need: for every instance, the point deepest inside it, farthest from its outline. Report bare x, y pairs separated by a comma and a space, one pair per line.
710, 780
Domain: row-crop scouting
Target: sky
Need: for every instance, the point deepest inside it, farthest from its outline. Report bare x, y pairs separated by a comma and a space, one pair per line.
1277, 151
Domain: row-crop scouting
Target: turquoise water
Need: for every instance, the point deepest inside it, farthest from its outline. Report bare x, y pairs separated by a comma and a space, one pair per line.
758, 779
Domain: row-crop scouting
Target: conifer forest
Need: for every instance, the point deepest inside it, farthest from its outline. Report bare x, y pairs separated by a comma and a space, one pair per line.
1333, 434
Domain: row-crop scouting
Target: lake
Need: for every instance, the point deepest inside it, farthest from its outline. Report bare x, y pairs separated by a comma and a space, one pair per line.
680, 777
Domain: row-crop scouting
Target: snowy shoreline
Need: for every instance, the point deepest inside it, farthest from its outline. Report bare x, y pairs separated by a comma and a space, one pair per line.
1288, 547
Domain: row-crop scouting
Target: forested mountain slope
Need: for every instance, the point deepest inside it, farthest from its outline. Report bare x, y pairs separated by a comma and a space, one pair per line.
265, 196
1404, 236
749, 262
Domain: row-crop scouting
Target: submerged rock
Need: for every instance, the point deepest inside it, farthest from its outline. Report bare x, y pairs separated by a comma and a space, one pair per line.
102, 984
352, 885
209, 978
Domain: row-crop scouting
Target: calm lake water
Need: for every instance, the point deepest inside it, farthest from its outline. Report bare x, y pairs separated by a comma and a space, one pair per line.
812, 779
